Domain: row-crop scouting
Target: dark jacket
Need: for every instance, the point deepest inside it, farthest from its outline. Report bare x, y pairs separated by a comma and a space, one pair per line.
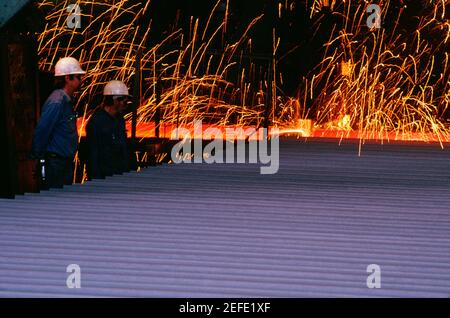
107, 145
56, 131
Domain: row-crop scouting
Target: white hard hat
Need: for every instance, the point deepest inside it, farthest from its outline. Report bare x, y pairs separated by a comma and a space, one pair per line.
116, 88
68, 66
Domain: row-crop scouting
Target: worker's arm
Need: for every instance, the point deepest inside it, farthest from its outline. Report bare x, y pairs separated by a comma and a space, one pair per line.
43, 132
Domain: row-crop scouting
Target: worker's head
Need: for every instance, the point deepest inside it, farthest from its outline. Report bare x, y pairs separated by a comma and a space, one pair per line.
116, 97
68, 74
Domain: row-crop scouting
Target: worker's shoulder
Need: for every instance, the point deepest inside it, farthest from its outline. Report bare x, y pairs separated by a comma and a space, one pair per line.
57, 97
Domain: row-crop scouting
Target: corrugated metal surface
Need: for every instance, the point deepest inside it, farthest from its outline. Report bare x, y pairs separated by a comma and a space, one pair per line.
225, 230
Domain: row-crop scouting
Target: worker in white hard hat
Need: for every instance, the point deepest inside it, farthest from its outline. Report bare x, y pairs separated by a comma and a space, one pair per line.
55, 139
106, 134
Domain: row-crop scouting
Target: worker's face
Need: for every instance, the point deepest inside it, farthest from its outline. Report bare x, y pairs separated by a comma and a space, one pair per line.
74, 81
120, 104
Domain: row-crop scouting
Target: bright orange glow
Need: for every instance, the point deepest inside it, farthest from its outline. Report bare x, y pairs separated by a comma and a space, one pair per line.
168, 130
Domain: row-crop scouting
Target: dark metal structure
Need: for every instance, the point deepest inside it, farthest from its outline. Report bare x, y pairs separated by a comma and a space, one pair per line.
9, 9
19, 98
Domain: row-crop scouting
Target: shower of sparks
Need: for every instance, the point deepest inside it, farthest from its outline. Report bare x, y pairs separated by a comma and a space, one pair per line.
374, 82
193, 77
378, 82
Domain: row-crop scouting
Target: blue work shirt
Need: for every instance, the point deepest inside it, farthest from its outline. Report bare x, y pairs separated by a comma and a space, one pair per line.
56, 131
